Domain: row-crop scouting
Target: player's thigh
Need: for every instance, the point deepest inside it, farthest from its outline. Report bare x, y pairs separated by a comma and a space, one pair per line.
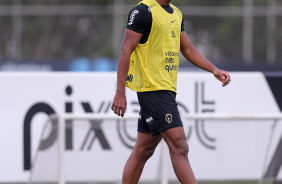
175, 138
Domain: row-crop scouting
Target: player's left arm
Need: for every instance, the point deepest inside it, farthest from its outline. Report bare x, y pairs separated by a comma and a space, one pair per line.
196, 58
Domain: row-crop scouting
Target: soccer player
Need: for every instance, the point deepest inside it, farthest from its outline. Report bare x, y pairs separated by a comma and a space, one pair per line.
148, 64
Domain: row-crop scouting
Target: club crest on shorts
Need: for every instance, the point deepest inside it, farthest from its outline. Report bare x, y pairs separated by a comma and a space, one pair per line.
168, 118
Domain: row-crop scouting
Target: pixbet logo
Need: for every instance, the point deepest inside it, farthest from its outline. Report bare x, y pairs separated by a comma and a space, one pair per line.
94, 134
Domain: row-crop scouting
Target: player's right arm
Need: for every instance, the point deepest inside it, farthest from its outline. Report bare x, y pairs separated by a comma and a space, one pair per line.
130, 42
139, 20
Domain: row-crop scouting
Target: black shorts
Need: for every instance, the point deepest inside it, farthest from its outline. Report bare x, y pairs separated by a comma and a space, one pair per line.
158, 111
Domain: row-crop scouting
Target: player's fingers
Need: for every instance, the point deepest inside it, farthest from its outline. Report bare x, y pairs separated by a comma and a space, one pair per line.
120, 112
223, 76
113, 106
117, 110
227, 76
219, 75
226, 82
123, 111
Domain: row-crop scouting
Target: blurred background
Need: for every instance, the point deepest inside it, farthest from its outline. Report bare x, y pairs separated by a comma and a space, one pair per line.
86, 35
72, 35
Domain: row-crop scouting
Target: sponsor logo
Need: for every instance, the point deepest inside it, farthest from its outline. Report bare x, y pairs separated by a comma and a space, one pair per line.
170, 61
169, 53
149, 120
172, 67
50, 139
172, 21
129, 78
168, 118
132, 16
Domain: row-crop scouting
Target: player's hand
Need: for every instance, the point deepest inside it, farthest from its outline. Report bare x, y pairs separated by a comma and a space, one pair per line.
222, 76
119, 104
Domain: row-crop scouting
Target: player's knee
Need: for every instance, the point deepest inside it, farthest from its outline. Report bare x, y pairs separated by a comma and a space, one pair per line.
180, 147
183, 148
144, 153
148, 153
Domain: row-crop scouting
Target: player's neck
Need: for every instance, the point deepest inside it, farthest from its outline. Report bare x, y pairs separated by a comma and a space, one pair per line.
163, 2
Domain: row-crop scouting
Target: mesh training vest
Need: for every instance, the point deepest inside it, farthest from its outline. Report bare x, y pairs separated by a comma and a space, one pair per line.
154, 64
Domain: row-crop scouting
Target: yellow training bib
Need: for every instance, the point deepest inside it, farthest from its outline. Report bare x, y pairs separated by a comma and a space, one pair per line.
154, 64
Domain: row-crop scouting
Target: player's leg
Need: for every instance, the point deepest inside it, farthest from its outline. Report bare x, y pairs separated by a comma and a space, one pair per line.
178, 149
145, 143
143, 150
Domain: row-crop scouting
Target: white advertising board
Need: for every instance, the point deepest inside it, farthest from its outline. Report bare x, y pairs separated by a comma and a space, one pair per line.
218, 151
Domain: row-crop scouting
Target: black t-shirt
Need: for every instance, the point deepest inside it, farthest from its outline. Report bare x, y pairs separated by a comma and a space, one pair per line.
140, 20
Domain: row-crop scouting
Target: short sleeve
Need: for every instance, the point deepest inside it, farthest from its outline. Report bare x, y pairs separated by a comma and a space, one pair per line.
139, 19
